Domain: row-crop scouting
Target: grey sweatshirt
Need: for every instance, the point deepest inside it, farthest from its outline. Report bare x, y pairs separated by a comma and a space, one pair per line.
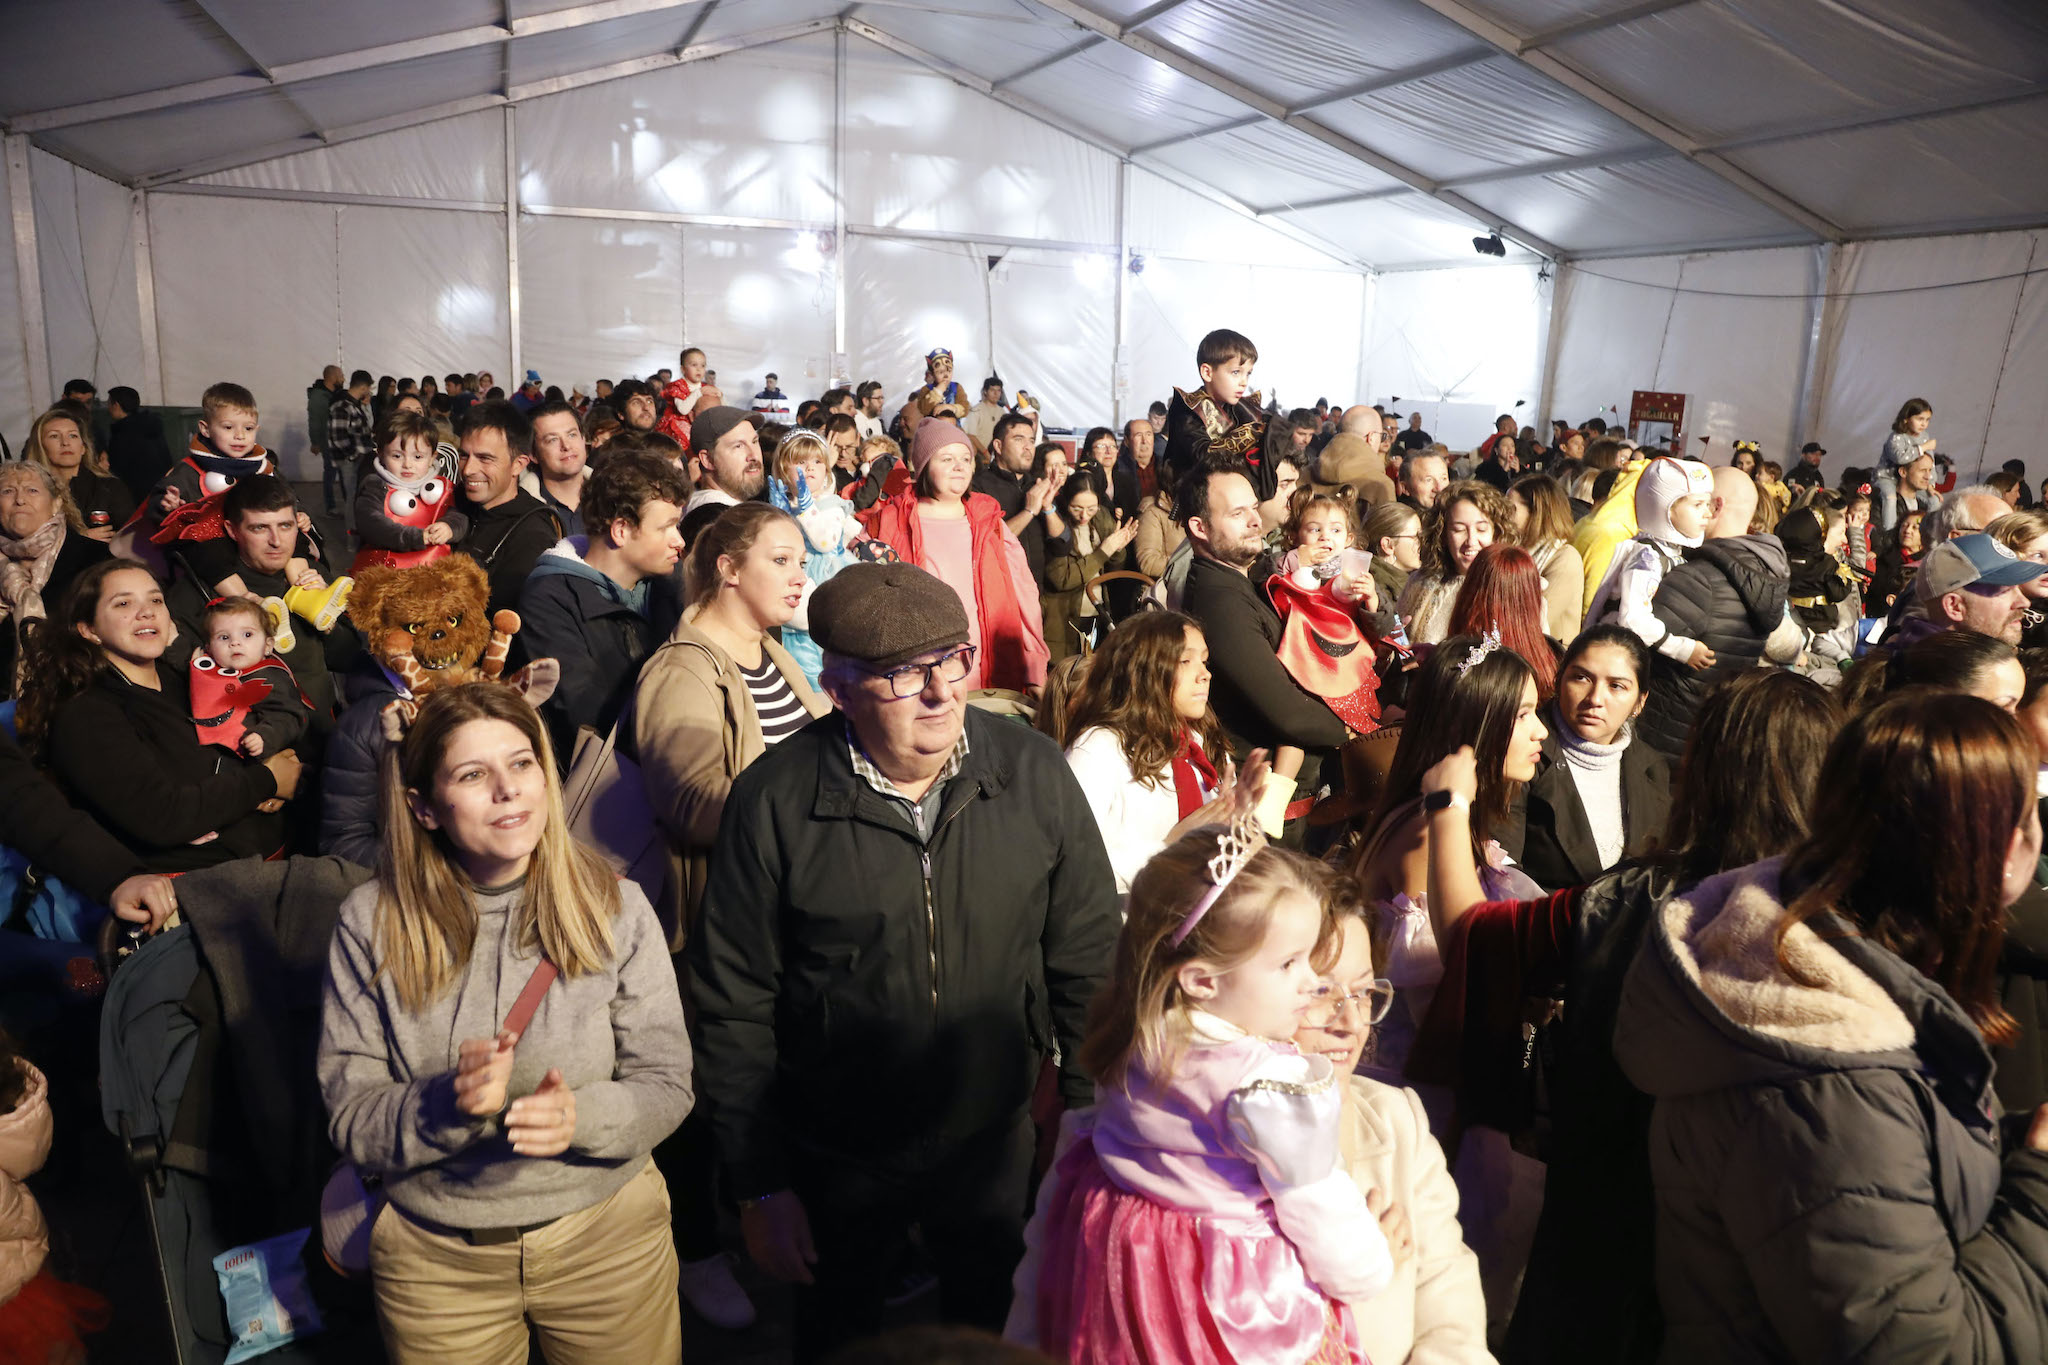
388, 1075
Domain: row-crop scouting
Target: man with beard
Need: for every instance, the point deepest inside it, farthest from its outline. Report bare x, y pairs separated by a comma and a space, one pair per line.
1259, 703
725, 460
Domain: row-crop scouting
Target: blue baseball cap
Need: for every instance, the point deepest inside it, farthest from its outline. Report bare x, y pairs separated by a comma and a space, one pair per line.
1972, 559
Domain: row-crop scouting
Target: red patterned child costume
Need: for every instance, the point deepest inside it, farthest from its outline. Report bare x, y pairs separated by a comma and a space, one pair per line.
678, 410
1322, 646
202, 479
392, 517
265, 700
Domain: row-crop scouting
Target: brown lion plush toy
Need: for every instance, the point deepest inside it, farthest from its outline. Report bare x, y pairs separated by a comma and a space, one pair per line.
429, 625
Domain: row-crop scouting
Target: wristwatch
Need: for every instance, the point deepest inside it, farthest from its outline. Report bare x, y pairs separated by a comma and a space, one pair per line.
1444, 800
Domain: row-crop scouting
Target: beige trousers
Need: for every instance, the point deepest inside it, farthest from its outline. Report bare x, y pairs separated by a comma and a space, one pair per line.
598, 1285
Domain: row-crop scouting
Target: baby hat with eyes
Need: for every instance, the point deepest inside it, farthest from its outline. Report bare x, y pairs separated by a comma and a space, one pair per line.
1663, 483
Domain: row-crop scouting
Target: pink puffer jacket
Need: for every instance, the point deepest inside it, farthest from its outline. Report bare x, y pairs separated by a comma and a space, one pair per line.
24, 1143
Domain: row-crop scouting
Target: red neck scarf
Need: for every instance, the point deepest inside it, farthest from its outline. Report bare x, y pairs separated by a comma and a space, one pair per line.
1194, 776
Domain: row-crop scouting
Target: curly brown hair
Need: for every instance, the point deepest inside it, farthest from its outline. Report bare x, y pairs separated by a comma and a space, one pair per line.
1492, 504
1128, 691
57, 662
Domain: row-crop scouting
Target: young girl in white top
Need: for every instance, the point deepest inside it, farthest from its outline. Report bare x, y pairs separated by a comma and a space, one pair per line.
1199, 1211
1674, 504
1149, 753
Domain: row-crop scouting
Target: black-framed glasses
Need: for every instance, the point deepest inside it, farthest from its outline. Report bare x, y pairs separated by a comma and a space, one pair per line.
1328, 1002
907, 680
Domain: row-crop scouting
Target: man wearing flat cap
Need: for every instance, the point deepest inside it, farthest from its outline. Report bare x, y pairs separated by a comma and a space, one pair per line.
908, 911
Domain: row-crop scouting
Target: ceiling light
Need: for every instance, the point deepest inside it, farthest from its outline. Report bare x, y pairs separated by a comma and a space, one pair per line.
1490, 245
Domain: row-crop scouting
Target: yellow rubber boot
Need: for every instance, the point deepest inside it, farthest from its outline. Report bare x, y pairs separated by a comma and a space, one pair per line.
281, 636
321, 606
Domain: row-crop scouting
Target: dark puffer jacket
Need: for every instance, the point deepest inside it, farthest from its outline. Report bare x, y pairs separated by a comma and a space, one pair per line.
351, 777
1830, 1179
1729, 593
864, 993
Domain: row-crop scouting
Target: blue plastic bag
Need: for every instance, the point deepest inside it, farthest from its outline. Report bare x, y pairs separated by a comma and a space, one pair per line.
268, 1300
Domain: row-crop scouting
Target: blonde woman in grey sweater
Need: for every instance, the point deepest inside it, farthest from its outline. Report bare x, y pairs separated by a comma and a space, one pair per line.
516, 1166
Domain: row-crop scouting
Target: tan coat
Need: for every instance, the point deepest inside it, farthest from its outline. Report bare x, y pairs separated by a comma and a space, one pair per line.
1434, 1312
1159, 535
24, 1143
1564, 589
694, 729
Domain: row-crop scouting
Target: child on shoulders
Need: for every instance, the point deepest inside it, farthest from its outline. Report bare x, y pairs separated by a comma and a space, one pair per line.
1221, 417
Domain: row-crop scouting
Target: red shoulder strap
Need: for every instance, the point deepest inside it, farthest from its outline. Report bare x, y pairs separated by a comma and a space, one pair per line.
529, 999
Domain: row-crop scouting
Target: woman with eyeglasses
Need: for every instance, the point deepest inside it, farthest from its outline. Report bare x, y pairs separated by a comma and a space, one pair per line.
1744, 792
715, 697
1433, 1311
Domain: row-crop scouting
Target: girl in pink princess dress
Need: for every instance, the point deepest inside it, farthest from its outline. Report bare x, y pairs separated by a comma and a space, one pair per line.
1199, 1213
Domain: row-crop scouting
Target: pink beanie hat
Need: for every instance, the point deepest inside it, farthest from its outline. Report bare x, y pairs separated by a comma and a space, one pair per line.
933, 435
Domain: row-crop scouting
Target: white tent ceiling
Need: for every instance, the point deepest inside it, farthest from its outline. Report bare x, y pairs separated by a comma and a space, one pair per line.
1389, 130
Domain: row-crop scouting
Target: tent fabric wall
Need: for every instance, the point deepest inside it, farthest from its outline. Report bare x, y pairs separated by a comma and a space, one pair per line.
408, 291
617, 272
1961, 321
1306, 324
86, 248
1459, 337
1632, 324
18, 406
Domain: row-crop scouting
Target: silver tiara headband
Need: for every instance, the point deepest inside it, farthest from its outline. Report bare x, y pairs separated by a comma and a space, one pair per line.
1237, 846
1488, 643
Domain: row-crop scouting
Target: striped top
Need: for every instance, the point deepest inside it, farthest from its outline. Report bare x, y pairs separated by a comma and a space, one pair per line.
782, 715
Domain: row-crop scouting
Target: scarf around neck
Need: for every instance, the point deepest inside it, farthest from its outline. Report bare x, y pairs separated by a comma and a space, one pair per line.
1584, 754
25, 566
1194, 776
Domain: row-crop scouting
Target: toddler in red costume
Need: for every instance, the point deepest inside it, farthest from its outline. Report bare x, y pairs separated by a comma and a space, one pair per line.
405, 503
680, 398
1323, 590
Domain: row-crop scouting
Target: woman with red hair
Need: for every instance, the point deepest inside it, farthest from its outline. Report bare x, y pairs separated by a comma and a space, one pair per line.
1503, 592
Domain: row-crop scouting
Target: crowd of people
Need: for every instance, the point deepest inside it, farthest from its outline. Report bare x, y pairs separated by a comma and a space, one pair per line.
1247, 886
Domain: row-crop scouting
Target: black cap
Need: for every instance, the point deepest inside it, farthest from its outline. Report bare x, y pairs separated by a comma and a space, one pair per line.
1813, 448
712, 423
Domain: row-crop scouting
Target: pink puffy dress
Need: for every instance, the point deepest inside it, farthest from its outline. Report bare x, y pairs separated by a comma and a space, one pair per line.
1206, 1221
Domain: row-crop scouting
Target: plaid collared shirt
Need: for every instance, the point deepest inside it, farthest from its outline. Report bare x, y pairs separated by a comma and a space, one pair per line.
874, 777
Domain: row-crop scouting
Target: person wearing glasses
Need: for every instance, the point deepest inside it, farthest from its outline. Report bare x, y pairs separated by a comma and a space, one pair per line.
908, 912
718, 694
1434, 1310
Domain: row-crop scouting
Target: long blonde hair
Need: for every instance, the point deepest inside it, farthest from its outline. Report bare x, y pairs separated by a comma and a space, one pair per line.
92, 459
1140, 1017
426, 914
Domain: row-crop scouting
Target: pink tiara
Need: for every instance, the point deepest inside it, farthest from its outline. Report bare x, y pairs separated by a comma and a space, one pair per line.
1235, 847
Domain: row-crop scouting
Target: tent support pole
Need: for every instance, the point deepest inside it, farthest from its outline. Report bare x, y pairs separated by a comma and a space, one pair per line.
1369, 302
28, 274
1553, 339
1832, 266
839, 355
145, 299
1120, 350
516, 374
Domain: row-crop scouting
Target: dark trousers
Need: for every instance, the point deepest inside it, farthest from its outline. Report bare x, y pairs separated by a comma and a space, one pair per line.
688, 1161
970, 1205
